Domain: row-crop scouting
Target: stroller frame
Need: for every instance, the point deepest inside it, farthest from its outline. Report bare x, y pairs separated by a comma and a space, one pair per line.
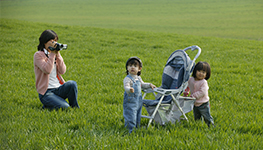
174, 93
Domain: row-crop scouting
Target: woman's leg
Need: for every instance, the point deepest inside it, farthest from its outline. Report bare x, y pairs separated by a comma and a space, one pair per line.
52, 101
69, 90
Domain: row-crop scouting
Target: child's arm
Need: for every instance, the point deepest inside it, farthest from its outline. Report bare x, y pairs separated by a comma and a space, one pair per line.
146, 85
202, 91
127, 85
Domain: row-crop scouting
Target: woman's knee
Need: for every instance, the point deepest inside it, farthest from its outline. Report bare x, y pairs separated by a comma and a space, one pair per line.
72, 83
64, 105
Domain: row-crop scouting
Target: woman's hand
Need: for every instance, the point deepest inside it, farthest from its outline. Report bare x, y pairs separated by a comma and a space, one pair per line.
54, 51
51, 43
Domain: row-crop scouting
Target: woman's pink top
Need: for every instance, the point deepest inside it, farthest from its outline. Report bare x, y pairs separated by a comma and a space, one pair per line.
43, 66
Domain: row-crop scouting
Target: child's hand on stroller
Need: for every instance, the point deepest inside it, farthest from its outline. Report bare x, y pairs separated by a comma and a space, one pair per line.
185, 94
152, 86
131, 90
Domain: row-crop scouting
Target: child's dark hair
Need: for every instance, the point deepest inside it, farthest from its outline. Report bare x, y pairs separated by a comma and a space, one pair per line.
133, 61
202, 66
45, 37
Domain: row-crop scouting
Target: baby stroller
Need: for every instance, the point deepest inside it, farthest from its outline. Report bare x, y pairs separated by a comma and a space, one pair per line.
168, 105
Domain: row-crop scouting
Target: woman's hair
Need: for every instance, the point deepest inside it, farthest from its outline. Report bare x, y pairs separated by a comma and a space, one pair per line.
202, 66
133, 61
45, 37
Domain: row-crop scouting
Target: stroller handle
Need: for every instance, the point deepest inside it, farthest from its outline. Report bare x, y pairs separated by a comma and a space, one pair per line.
194, 47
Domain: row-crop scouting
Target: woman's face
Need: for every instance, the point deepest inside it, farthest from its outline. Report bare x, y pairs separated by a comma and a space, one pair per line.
51, 43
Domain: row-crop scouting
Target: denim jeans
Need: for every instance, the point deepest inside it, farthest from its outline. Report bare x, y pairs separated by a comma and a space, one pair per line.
203, 111
55, 98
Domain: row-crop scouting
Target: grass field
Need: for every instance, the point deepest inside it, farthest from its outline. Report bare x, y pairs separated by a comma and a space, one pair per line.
240, 19
96, 60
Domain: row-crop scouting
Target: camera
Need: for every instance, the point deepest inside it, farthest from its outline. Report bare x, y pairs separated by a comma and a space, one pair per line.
58, 47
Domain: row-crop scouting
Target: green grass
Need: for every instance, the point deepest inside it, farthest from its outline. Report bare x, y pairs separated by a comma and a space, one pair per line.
96, 59
101, 36
240, 19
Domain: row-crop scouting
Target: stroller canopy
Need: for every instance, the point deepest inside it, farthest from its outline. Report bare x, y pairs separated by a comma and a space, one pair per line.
177, 70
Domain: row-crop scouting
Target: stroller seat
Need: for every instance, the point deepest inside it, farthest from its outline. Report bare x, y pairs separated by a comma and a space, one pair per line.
168, 105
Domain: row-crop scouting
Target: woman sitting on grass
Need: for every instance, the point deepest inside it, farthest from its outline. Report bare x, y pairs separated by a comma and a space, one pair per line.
49, 66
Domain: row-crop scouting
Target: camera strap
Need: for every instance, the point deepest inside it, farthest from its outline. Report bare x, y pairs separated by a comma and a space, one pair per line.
46, 52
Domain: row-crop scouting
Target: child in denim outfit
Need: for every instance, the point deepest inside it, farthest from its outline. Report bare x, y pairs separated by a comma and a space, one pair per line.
198, 87
132, 103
